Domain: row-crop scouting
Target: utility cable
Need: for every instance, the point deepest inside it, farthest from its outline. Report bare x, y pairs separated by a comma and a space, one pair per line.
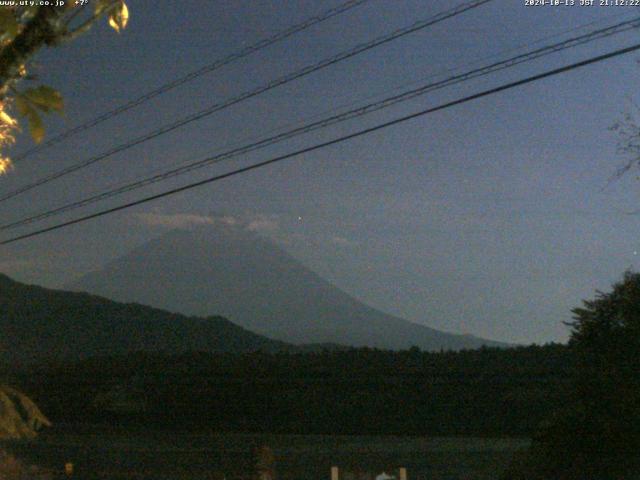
219, 63
334, 141
252, 93
325, 122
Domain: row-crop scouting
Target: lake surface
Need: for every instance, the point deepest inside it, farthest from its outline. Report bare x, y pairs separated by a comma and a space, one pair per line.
126, 454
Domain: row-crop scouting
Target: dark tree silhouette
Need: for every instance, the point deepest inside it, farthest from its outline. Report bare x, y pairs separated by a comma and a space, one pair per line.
606, 340
597, 435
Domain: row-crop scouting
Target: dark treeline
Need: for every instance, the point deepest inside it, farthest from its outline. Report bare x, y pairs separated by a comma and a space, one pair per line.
477, 392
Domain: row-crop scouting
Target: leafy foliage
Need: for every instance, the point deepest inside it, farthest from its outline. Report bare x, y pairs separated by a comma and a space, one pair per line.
23, 31
8, 127
606, 339
119, 17
35, 100
597, 434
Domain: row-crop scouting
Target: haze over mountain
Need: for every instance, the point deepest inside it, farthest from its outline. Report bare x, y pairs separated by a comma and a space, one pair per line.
226, 269
40, 324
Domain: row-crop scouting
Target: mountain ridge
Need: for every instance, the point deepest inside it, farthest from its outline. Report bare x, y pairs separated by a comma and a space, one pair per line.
228, 270
38, 323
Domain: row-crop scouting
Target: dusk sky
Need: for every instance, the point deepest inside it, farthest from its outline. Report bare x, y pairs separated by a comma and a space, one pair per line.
493, 218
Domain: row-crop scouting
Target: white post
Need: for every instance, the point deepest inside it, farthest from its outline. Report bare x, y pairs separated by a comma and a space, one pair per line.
403, 474
334, 473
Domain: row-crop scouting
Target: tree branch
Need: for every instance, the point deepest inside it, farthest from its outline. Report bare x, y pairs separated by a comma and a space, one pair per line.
40, 31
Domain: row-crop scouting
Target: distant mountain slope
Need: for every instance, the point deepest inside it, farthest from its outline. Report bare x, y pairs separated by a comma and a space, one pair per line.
37, 323
230, 271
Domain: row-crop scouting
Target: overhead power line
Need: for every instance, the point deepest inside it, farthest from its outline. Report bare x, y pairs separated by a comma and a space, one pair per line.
335, 141
331, 120
419, 25
215, 65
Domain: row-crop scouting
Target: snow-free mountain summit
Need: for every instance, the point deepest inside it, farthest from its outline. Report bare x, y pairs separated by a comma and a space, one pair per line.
228, 270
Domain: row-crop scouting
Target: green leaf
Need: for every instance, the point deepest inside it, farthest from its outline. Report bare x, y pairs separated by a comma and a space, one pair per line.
36, 127
42, 98
45, 98
26, 109
119, 17
22, 105
8, 23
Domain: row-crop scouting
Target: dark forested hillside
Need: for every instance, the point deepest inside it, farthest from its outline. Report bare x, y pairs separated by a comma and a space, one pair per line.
88, 359
39, 324
487, 391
